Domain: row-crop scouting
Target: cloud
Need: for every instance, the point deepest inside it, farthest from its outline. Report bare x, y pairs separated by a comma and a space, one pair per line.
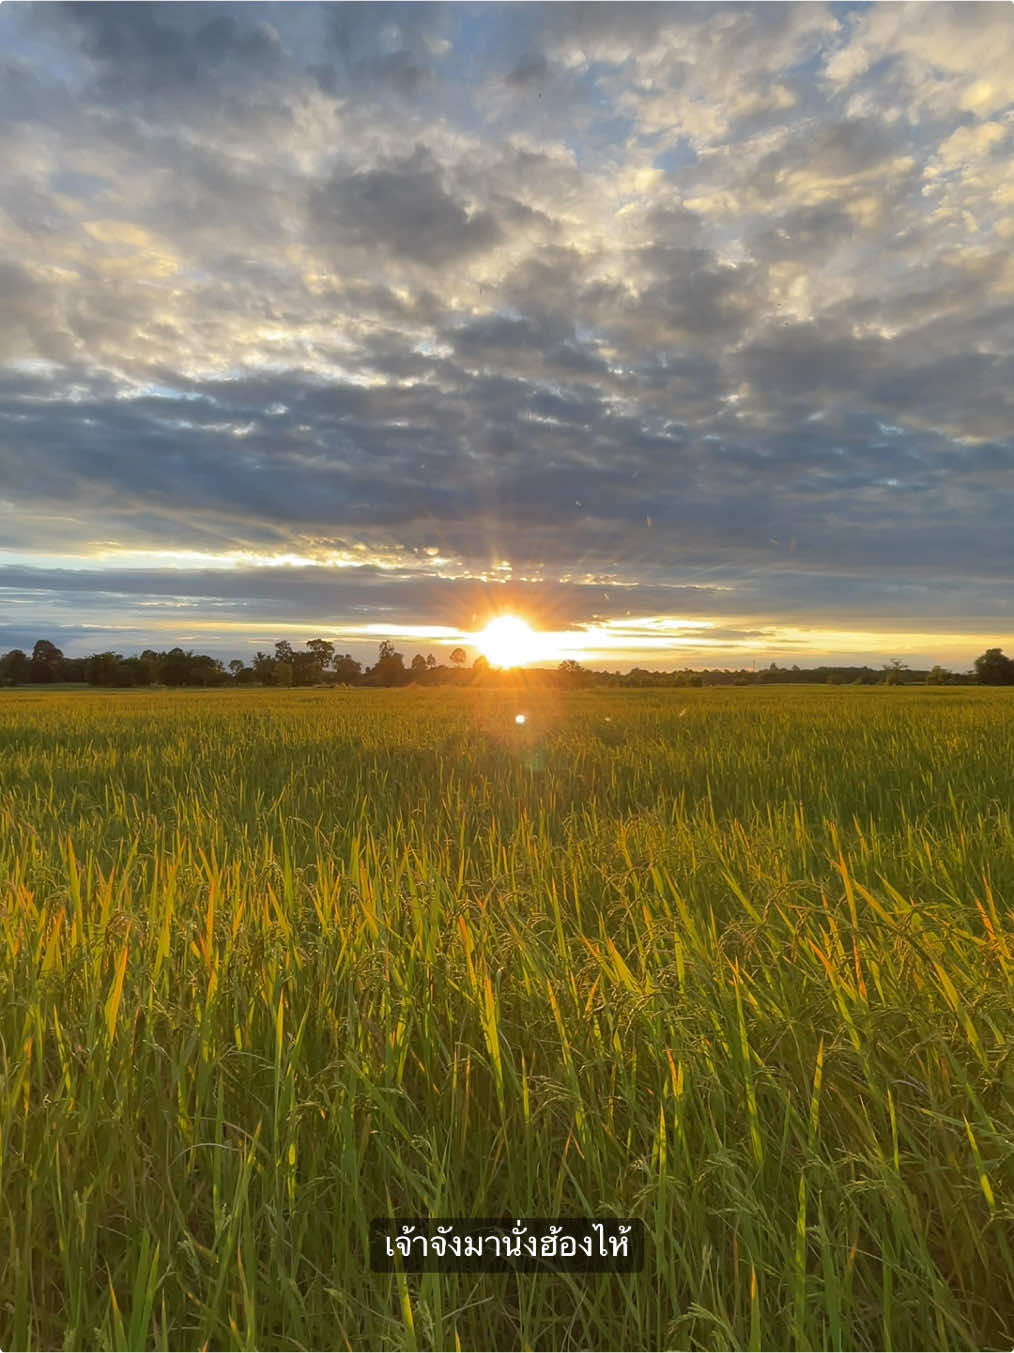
939, 58
403, 207
971, 143
734, 292
530, 72
140, 50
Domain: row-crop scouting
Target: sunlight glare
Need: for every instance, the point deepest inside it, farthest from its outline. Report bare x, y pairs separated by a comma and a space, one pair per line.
509, 641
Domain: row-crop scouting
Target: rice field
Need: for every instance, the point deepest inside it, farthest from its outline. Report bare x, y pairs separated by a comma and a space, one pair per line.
735, 962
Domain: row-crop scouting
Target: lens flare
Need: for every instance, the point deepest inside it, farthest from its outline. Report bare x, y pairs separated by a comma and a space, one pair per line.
509, 641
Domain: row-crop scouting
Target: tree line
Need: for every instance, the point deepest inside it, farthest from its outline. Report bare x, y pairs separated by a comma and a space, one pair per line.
316, 664
320, 664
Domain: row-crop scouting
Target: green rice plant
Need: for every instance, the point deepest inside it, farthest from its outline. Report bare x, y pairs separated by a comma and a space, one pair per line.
736, 962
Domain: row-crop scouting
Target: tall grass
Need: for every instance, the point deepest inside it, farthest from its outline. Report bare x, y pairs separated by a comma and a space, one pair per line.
735, 962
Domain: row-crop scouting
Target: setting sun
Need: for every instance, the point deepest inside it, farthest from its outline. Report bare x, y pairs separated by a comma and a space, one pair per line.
509, 641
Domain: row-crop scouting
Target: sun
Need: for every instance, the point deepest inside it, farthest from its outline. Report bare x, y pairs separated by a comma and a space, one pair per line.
509, 641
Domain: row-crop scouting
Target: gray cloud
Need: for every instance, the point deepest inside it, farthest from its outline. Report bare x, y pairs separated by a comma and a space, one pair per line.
316, 278
139, 50
403, 207
530, 72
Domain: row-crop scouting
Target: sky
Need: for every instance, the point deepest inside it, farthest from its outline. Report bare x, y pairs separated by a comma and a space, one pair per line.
684, 332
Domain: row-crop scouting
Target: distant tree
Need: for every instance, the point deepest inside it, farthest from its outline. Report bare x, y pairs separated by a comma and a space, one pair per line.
245, 676
103, 669
15, 668
204, 670
46, 660
136, 672
459, 657
938, 676
307, 669
481, 664
431, 662
175, 667
282, 675
322, 651
147, 668
390, 667
572, 673
235, 667
892, 672
264, 668
347, 669
994, 668
418, 665
283, 651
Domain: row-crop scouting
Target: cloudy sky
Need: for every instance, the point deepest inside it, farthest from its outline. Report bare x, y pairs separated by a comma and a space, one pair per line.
684, 331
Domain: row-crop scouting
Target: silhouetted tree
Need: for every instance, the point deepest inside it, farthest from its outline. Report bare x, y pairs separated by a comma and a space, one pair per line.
235, 667
323, 652
892, 672
103, 669
136, 672
306, 669
46, 660
347, 669
571, 672
390, 667
263, 668
175, 667
181, 668
994, 668
459, 657
15, 668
